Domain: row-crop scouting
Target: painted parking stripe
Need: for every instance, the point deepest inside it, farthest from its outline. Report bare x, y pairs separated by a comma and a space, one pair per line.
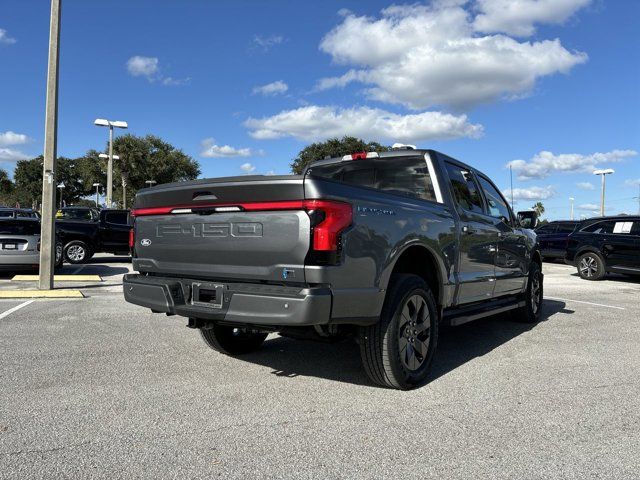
586, 303
15, 309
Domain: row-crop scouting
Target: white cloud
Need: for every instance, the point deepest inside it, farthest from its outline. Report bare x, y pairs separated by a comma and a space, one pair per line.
143, 66
518, 17
211, 150
149, 68
268, 42
589, 206
545, 163
5, 38
274, 88
319, 123
10, 155
11, 138
421, 56
531, 193
586, 186
247, 167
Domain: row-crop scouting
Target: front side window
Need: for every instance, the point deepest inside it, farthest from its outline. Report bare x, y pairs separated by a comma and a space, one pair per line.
566, 227
498, 207
465, 190
408, 177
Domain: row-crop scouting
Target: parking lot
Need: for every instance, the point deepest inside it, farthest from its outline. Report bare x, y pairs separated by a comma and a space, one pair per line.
98, 387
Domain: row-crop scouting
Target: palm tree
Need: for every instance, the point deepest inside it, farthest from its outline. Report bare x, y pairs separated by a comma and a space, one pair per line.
538, 207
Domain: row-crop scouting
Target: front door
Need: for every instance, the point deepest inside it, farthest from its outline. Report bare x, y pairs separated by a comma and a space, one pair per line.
478, 238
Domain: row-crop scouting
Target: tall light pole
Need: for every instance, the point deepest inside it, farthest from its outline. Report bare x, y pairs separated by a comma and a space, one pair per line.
571, 199
97, 185
603, 173
48, 223
61, 187
111, 157
150, 183
101, 122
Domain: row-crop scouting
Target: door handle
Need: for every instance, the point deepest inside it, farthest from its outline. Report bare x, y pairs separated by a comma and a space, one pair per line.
468, 230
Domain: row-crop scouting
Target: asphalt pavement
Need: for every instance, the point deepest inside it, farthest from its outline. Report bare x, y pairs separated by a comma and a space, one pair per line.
96, 387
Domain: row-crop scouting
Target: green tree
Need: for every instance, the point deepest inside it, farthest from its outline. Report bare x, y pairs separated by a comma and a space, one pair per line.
538, 207
28, 182
6, 189
148, 158
333, 147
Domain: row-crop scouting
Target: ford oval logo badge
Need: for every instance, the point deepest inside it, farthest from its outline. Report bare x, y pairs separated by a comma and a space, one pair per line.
145, 242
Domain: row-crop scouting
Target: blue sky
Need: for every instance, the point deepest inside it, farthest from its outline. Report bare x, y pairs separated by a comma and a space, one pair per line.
549, 85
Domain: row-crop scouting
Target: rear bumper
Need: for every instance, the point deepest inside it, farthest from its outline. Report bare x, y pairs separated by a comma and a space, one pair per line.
21, 259
242, 303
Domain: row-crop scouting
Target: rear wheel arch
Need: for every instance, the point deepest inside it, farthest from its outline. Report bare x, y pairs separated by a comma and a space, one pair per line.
418, 259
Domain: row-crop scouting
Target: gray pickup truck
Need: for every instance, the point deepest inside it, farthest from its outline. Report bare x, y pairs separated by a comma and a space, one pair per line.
382, 247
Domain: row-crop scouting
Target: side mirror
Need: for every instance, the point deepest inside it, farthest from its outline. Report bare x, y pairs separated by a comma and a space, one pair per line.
528, 219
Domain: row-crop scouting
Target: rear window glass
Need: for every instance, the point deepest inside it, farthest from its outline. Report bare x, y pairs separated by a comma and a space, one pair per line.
17, 227
600, 227
75, 214
6, 214
402, 176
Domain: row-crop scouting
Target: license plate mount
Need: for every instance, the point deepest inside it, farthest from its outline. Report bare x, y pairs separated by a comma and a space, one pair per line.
9, 246
208, 295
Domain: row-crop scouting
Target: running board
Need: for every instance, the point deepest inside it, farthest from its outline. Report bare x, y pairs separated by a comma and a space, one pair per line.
463, 315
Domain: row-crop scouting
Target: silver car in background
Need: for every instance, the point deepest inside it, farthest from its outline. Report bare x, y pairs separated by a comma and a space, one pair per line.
20, 244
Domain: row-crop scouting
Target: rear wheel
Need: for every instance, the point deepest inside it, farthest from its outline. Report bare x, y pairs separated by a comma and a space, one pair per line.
77, 252
232, 340
398, 350
590, 266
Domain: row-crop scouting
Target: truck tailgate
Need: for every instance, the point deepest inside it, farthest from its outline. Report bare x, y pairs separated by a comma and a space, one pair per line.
180, 232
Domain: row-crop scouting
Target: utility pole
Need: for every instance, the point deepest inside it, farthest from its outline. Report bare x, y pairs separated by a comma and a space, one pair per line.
511, 176
48, 224
602, 174
571, 199
101, 122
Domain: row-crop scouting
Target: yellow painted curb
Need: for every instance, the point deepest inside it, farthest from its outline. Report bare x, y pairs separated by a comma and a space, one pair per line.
59, 278
41, 294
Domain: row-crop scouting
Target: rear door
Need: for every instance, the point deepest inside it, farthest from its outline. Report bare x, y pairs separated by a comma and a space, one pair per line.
511, 255
620, 244
478, 237
114, 230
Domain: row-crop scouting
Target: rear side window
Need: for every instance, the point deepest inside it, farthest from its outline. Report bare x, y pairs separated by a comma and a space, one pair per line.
465, 190
402, 176
546, 229
18, 227
600, 227
6, 214
118, 218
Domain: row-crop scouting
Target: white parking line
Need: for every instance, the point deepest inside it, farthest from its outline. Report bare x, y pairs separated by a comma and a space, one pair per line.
78, 269
14, 309
586, 303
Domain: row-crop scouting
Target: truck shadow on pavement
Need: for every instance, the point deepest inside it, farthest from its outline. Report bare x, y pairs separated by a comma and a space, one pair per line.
341, 361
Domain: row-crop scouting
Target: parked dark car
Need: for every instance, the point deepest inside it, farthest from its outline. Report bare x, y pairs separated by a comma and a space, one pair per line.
380, 246
20, 244
86, 231
553, 237
6, 212
605, 244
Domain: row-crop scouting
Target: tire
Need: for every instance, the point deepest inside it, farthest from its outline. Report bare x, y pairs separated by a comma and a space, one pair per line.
590, 266
59, 255
409, 319
232, 340
76, 252
534, 297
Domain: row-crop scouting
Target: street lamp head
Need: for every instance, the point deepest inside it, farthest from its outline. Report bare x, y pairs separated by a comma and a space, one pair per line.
103, 122
104, 155
606, 171
61, 185
97, 184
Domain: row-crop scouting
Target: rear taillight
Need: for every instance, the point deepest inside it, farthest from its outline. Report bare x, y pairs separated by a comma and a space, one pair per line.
132, 238
329, 219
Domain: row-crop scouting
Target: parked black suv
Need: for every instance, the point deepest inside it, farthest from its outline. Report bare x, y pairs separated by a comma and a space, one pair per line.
605, 244
553, 237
